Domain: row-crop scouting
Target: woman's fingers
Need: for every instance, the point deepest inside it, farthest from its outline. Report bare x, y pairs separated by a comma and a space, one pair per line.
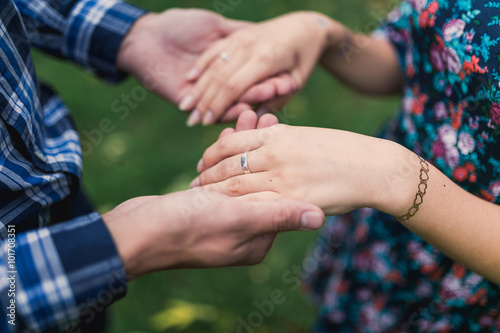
224, 90
205, 60
218, 75
234, 144
261, 196
231, 167
226, 131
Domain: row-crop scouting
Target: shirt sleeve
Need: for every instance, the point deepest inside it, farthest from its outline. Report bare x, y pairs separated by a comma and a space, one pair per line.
88, 32
51, 277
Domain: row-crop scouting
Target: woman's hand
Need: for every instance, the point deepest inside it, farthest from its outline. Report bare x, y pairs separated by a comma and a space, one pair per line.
160, 48
289, 44
338, 171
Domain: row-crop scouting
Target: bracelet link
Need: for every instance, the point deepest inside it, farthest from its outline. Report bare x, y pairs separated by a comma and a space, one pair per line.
422, 190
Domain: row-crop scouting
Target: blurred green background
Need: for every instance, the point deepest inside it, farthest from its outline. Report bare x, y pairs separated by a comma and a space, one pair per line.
153, 152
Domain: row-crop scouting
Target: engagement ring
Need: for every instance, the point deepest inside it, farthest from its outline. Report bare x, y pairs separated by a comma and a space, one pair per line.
224, 57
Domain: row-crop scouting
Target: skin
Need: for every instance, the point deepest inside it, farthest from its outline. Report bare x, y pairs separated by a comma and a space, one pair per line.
340, 171
293, 44
195, 229
160, 49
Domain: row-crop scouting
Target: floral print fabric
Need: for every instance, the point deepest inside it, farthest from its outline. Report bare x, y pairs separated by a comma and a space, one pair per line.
380, 277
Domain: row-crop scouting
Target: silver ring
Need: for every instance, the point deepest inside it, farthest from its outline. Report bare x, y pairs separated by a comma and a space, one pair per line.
244, 163
224, 57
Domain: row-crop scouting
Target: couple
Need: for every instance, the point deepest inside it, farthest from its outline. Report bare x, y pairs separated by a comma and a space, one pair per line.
418, 216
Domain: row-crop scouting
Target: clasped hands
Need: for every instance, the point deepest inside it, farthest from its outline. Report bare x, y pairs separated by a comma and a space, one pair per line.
217, 68
195, 229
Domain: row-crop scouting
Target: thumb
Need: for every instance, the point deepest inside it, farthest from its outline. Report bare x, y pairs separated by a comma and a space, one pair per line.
285, 215
228, 26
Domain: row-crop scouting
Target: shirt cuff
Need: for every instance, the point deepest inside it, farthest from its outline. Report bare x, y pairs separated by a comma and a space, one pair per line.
95, 33
66, 272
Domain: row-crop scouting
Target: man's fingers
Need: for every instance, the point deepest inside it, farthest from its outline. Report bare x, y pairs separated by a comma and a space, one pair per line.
267, 120
284, 215
285, 84
234, 112
274, 105
259, 93
246, 121
238, 185
261, 196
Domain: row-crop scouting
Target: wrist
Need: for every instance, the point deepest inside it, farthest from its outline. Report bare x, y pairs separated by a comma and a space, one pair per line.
128, 51
398, 181
317, 29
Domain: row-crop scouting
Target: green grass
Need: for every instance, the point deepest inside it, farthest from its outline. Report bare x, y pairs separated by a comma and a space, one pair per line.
152, 152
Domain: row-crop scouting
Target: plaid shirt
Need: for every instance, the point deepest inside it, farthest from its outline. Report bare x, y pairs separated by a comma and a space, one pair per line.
51, 275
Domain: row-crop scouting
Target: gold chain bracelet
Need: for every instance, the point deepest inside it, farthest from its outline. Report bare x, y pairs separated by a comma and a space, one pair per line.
422, 189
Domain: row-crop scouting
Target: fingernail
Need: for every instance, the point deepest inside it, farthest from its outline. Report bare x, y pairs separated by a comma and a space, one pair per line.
311, 220
209, 118
187, 103
261, 112
194, 118
200, 166
192, 74
195, 182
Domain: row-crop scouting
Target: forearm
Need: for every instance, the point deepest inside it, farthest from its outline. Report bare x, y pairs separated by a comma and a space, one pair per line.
88, 32
58, 275
461, 225
365, 63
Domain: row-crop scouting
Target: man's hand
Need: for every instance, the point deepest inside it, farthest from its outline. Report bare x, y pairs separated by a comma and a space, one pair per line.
161, 48
198, 229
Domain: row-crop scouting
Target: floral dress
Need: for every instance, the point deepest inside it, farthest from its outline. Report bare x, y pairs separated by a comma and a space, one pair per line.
373, 274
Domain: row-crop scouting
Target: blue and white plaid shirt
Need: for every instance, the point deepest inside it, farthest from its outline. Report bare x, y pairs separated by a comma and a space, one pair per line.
50, 275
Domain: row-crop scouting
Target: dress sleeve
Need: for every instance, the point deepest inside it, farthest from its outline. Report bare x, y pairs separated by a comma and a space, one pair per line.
396, 28
51, 277
88, 32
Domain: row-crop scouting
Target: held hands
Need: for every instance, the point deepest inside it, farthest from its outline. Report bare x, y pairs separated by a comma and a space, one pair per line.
289, 44
337, 170
198, 229
161, 48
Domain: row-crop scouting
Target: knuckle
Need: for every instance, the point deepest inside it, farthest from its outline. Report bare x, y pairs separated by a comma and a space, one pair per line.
247, 39
231, 87
279, 127
252, 198
267, 54
280, 219
234, 185
225, 170
224, 143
